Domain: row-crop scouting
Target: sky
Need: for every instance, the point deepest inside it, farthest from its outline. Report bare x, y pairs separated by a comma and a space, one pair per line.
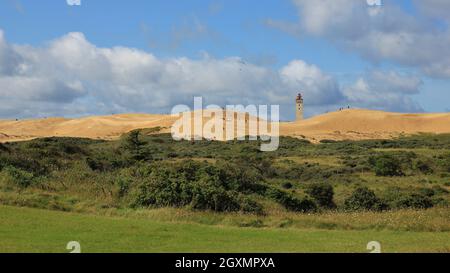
115, 56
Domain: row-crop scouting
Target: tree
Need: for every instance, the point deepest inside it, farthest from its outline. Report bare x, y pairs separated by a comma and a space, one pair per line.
134, 145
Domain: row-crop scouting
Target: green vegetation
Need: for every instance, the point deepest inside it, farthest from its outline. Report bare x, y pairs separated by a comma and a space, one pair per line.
332, 185
323, 195
364, 199
152, 171
53, 230
387, 165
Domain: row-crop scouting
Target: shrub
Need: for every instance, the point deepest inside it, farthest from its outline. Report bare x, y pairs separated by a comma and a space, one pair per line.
123, 186
415, 201
216, 199
248, 205
323, 194
197, 185
301, 205
387, 165
237, 177
263, 166
38, 167
363, 199
95, 164
20, 178
290, 202
108, 161
423, 167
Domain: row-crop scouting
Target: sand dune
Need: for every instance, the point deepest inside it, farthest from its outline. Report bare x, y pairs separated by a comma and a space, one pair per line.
366, 124
98, 127
347, 124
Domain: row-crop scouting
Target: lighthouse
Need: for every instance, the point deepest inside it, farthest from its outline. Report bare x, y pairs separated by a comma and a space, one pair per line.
299, 107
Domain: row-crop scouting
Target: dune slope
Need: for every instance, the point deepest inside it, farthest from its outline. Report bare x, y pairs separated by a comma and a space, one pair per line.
366, 124
347, 124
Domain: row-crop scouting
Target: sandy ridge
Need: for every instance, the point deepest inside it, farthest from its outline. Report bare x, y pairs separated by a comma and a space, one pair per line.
348, 124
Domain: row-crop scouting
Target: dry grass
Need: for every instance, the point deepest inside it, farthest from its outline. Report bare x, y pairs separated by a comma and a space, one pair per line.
432, 220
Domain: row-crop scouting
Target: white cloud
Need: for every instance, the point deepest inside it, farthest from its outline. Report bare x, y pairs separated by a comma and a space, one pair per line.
8, 59
386, 33
387, 91
311, 81
71, 76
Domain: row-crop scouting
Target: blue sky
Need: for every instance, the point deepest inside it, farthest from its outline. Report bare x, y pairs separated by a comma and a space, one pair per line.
238, 28
284, 46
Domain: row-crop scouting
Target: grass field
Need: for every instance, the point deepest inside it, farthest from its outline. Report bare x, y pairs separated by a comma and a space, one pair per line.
34, 230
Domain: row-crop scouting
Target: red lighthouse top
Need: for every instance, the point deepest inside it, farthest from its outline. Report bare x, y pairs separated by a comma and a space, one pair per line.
299, 97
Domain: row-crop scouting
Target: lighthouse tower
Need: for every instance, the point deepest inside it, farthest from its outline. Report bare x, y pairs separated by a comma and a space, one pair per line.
299, 107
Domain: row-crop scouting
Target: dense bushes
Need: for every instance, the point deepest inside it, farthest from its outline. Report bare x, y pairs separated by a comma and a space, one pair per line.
59, 147
415, 201
35, 166
123, 186
290, 202
249, 205
322, 194
422, 198
207, 197
223, 187
198, 185
108, 163
151, 170
239, 176
19, 178
386, 165
364, 199
394, 198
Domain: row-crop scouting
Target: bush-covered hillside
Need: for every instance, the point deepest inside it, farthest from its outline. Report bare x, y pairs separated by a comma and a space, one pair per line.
152, 171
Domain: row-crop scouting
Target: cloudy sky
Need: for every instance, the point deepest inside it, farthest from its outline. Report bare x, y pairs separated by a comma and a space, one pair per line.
117, 56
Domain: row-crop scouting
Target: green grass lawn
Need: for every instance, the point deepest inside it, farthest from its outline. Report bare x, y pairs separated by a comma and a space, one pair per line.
33, 230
